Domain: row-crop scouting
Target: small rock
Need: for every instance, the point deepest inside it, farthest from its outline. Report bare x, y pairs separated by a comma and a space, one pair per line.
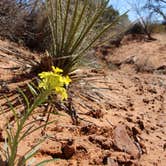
123, 142
68, 151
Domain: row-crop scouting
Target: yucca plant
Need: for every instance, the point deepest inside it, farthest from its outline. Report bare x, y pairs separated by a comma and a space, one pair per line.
74, 28
51, 83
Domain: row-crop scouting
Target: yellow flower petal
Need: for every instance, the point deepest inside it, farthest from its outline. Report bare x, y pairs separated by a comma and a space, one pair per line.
67, 80
57, 70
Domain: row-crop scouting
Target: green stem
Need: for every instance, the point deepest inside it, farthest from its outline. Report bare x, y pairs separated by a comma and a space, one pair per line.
39, 100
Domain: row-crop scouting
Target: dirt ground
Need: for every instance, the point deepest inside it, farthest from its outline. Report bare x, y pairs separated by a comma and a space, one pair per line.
120, 107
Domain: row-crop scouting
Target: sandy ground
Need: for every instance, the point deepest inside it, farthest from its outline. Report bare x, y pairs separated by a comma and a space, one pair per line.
120, 107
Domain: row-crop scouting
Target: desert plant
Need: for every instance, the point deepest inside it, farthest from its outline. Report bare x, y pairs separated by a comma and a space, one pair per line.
136, 28
51, 83
74, 29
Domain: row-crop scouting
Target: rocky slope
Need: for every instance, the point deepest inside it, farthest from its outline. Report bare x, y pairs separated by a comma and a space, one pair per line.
118, 114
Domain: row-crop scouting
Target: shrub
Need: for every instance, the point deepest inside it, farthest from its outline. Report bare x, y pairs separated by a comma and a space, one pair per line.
74, 28
137, 28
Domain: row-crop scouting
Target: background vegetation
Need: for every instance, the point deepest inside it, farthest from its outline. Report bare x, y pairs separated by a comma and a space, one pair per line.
26, 22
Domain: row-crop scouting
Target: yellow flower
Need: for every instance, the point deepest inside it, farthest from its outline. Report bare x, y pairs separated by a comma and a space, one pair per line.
57, 70
67, 80
62, 92
54, 81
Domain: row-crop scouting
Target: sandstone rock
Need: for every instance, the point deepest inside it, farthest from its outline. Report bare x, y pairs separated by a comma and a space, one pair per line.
123, 142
